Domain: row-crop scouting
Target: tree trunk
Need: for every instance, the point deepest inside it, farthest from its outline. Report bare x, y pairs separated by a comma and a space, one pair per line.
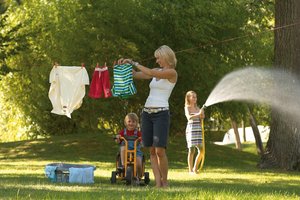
258, 142
283, 146
244, 131
238, 144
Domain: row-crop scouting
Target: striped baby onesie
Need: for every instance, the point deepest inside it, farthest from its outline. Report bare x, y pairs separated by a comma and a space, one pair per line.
123, 81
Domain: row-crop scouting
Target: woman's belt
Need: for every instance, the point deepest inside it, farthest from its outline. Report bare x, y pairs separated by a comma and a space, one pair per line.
155, 110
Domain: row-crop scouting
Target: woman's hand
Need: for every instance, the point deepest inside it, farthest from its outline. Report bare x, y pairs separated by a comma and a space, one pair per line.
133, 72
202, 115
127, 60
122, 61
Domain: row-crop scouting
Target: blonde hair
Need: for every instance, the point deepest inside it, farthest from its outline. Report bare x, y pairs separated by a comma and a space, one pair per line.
133, 117
187, 98
167, 54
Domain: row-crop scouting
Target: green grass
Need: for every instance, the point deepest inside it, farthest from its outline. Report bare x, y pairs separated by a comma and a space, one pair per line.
227, 173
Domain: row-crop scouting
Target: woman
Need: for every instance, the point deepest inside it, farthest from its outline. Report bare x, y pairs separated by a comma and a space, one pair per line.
156, 115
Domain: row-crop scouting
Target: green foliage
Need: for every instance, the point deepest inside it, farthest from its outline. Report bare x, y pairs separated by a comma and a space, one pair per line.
35, 34
214, 136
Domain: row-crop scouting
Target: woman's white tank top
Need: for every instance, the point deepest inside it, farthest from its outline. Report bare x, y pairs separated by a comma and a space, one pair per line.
160, 91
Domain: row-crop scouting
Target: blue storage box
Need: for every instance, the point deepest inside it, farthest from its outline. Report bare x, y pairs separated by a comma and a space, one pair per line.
70, 173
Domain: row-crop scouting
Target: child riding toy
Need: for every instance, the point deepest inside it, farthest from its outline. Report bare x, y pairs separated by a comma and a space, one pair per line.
128, 170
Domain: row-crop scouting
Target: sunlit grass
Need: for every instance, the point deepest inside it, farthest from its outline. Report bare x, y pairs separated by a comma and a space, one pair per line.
227, 173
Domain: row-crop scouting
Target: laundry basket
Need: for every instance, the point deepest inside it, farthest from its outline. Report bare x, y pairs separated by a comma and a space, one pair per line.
73, 173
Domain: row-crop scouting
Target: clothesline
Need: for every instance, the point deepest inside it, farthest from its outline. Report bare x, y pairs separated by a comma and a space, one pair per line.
209, 44
230, 39
56, 64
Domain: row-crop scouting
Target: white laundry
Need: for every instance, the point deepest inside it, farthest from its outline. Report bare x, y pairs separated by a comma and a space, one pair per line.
67, 88
81, 175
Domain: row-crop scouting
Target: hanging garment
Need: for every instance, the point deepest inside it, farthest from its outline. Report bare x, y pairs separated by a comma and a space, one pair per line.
123, 82
67, 88
100, 83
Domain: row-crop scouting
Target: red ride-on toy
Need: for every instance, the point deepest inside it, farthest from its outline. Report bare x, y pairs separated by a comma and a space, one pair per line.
128, 172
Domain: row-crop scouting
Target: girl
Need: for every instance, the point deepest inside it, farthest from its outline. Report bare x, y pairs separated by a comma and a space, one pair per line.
193, 130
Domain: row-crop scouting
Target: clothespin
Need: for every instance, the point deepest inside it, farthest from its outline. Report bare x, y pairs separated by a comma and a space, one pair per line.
97, 66
114, 63
82, 65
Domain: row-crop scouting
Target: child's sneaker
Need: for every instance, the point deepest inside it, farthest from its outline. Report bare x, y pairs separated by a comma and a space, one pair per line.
121, 168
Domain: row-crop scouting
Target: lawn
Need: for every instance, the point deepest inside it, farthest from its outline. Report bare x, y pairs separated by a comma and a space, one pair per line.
227, 173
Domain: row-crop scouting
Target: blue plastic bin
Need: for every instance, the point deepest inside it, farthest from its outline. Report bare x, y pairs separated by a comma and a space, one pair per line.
59, 172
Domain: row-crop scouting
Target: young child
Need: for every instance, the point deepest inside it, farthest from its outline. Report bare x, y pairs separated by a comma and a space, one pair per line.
131, 123
193, 130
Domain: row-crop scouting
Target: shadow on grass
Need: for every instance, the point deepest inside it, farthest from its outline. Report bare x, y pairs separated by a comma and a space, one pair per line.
100, 147
37, 187
237, 186
91, 147
215, 156
33, 187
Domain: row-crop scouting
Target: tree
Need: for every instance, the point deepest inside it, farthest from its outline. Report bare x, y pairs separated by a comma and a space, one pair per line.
253, 124
70, 32
283, 146
238, 143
